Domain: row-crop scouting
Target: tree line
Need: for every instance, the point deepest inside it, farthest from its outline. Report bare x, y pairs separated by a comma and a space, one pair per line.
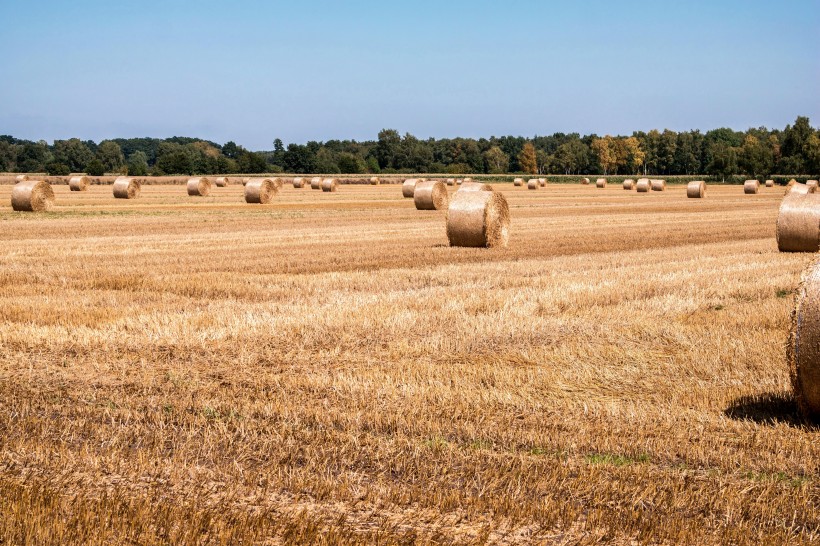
719, 152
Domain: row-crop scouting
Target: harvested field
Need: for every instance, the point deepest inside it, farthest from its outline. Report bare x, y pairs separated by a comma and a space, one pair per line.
328, 370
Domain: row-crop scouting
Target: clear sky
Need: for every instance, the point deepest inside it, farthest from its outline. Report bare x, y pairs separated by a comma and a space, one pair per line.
251, 71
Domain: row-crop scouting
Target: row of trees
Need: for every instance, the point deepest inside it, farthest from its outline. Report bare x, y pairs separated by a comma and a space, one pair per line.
720, 152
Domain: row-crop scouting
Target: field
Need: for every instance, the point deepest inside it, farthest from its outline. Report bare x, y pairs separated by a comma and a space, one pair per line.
327, 370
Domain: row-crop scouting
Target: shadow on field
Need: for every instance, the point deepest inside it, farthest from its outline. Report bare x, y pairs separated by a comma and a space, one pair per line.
771, 408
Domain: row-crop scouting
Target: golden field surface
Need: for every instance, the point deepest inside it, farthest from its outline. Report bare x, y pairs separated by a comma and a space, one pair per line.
327, 370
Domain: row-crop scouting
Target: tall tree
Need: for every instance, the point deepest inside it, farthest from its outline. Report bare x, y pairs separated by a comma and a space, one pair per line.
604, 150
527, 160
496, 161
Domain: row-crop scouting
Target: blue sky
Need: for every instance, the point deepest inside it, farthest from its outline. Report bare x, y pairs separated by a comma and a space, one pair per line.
317, 70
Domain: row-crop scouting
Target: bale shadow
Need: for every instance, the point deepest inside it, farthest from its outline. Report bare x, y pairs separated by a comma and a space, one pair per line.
771, 408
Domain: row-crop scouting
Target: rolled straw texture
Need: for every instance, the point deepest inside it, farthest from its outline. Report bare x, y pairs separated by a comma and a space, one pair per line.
475, 186
260, 190
600, 183
769, 183
629, 184
803, 349
374, 181
585, 181
696, 189
221, 181
518, 182
658, 185
478, 219
298, 182
798, 221
532, 184
409, 187
199, 186
329, 184
431, 195
126, 188
79, 183
316, 183
32, 196
751, 187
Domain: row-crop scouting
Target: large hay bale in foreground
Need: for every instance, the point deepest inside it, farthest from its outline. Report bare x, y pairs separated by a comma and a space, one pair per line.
475, 186
431, 195
199, 186
696, 189
600, 183
658, 185
221, 181
751, 187
478, 219
585, 181
532, 184
260, 190
32, 196
298, 182
126, 187
803, 349
798, 221
408, 188
374, 181
518, 182
316, 183
629, 184
769, 183
329, 184
79, 183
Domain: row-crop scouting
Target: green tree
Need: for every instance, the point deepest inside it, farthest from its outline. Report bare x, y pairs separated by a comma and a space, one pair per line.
604, 150
110, 155
57, 169
755, 158
527, 160
95, 168
72, 152
572, 156
496, 161
138, 164
351, 164
388, 147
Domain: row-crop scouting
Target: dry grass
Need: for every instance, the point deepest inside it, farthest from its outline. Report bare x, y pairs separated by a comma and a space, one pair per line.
174, 371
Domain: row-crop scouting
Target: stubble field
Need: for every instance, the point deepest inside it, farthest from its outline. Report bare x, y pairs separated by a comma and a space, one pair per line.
325, 369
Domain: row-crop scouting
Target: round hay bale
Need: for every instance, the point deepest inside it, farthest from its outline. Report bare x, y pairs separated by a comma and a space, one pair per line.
459, 181
260, 190
644, 185
431, 195
518, 182
409, 187
199, 186
221, 181
126, 188
658, 185
329, 184
451, 181
585, 181
79, 183
374, 181
798, 221
769, 183
600, 183
21, 178
803, 348
32, 196
316, 183
751, 187
629, 184
475, 186
298, 182
811, 184
696, 189
467, 179
278, 182
478, 219
542, 182
532, 184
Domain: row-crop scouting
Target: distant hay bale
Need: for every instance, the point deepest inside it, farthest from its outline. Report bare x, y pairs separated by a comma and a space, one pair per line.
451, 181
278, 182
408, 188
478, 219
431, 195
459, 181
329, 184
518, 182
475, 186
600, 183
532, 184
126, 188
542, 182
696, 189
769, 183
221, 181
260, 190
803, 348
467, 179
798, 221
199, 186
644, 185
79, 183
658, 185
21, 178
751, 187
585, 181
298, 182
316, 183
32, 196
629, 184
374, 181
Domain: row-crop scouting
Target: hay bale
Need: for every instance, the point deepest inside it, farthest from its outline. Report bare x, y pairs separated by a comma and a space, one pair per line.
769, 183
518, 182
374, 181
126, 188
329, 184
32, 196
658, 185
542, 182
431, 195
478, 219
803, 348
408, 188
585, 181
600, 183
475, 186
79, 183
260, 190
811, 184
316, 183
643, 185
199, 186
696, 189
798, 221
298, 182
451, 181
629, 184
21, 178
751, 187
221, 181
278, 182
459, 181
532, 184
467, 179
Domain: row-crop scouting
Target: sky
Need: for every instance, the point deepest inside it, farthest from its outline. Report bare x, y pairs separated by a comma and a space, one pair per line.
253, 71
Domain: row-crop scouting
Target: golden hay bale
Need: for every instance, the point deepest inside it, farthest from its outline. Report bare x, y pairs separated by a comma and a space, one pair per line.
643, 185
542, 182
658, 185
79, 183
32, 196
459, 181
803, 348
126, 188
298, 182
769, 183
629, 184
409, 187
431, 195
585, 181
199, 186
329, 184
696, 189
260, 190
451, 181
751, 186
478, 219
600, 183
532, 184
475, 186
467, 179
221, 181
316, 183
21, 178
374, 181
518, 182
798, 221
278, 182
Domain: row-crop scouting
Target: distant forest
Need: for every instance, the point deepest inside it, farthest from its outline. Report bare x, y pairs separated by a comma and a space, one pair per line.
720, 153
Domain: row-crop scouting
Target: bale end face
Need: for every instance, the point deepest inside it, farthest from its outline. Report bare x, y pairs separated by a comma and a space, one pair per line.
199, 186
79, 183
32, 196
478, 219
260, 191
431, 195
803, 349
600, 183
126, 188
